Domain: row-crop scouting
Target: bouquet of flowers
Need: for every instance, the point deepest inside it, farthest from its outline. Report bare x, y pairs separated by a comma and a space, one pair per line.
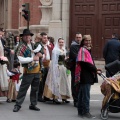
3, 60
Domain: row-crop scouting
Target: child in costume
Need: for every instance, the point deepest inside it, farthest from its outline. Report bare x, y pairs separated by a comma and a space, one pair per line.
13, 88
37, 48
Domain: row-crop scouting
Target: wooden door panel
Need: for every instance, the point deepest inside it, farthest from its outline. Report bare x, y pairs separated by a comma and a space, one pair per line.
110, 25
83, 15
84, 20
110, 19
100, 18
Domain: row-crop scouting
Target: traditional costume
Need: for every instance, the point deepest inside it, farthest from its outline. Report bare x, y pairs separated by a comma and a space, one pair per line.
45, 62
30, 77
13, 84
37, 48
3, 75
58, 82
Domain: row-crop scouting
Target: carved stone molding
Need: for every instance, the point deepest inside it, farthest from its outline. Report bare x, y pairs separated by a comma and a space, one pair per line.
46, 2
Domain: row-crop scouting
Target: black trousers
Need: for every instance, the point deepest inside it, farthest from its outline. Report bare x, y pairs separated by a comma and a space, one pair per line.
42, 82
74, 92
29, 79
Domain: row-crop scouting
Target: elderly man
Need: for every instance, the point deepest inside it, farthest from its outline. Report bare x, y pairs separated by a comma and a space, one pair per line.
30, 77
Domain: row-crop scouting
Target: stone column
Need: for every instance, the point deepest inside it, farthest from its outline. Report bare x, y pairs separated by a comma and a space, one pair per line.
55, 26
9, 14
56, 10
46, 9
65, 20
1, 14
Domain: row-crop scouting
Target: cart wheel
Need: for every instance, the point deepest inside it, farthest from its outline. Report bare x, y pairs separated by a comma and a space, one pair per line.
104, 114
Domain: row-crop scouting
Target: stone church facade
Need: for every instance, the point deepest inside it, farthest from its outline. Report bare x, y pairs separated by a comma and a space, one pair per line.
50, 16
63, 18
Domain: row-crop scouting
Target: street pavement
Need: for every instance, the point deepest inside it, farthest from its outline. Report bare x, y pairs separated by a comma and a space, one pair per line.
50, 111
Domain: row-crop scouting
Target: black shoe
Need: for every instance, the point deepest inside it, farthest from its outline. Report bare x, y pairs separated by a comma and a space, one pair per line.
88, 115
56, 101
47, 99
64, 100
41, 100
13, 100
80, 115
16, 108
32, 107
75, 104
8, 100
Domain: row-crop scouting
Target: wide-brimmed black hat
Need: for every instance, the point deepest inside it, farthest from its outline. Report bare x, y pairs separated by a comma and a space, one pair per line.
26, 32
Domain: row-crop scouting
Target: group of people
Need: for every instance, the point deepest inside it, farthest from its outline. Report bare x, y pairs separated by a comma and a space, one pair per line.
51, 70
9, 67
50, 80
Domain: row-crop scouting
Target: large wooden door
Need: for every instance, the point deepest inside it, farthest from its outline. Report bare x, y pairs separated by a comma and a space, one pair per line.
109, 19
99, 18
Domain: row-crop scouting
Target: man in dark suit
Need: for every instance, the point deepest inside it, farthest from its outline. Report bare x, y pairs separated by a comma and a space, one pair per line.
111, 51
74, 48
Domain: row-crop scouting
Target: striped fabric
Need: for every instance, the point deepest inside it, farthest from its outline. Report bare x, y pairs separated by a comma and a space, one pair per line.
23, 50
84, 56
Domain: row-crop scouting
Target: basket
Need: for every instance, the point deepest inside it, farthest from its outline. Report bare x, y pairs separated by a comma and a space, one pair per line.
46, 63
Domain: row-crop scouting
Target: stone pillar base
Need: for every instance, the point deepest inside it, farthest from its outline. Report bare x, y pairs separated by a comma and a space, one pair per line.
14, 31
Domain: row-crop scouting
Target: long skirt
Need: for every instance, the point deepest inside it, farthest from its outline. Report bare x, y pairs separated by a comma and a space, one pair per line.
12, 93
3, 81
59, 88
3, 93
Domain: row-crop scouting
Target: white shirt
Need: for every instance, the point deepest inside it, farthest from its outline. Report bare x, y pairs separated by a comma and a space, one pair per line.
9, 73
47, 57
37, 49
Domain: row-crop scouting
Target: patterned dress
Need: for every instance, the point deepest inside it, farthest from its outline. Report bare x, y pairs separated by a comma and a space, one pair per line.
59, 86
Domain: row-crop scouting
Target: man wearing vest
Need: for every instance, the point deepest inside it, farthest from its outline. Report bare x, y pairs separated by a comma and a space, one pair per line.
30, 77
46, 62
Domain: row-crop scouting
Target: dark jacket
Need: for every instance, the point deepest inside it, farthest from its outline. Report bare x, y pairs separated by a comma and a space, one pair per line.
74, 48
88, 73
4, 46
111, 51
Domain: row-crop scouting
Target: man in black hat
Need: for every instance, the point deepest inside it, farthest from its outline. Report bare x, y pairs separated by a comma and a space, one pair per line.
30, 77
